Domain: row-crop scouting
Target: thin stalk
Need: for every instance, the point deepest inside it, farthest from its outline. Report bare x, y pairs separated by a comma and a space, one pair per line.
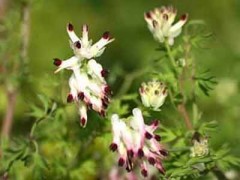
11, 90
170, 55
181, 107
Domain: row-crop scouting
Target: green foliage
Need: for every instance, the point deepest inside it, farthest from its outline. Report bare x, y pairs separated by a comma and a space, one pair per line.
54, 146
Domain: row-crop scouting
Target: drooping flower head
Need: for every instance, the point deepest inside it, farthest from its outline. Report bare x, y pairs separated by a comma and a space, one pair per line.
160, 23
136, 143
153, 94
88, 87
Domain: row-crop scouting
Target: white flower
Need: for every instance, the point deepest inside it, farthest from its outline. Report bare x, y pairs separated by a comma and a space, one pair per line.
83, 47
200, 147
136, 142
160, 23
153, 94
88, 88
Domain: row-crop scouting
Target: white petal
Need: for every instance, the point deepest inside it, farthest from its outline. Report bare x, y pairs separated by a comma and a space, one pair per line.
85, 41
95, 68
73, 87
170, 41
175, 28
115, 128
71, 63
72, 34
83, 114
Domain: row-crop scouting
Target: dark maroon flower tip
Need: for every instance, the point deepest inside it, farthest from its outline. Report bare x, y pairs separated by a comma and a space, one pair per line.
184, 17
157, 137
69, 98
128, 169
102, 113
104, 104
151, 160
121, 162
70, 27
140, 153
148, 15
130, 153
57, 62
83, 122
163, 152
106, 35
106, 100
104, 73
78, 44
107, 89
144, 172
155, 123
148, 135
81, 96
113, 147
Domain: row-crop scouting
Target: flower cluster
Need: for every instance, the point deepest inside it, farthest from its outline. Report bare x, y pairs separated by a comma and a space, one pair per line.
200, 147
153, 94
88, 88
160, 23
136, 143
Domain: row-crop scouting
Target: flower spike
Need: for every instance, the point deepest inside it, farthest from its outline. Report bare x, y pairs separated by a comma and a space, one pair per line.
160, 23
133, 145
87, 82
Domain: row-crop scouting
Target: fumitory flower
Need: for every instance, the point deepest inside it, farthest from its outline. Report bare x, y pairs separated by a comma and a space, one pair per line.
200, 146
160, 23
88, 87
136, 143
153, 94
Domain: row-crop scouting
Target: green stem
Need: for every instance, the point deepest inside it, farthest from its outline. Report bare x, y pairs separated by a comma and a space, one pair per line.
181, 107
170, 55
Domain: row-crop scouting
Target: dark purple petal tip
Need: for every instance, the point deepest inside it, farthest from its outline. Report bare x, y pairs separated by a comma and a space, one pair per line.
70, 27
157, 137
121, 162
69, 98
83, 122
106, 35
81, 96
148, 15
113, 147
104, 73
184, 17
144, 172
151, 160
163, 152
78, 44
57, 62
140, 153
148, 135
130, 153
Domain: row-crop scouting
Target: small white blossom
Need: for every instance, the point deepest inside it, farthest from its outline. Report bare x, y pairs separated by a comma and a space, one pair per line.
160, 23
153, 94
136, 142
83, 47
88, 88
200, 147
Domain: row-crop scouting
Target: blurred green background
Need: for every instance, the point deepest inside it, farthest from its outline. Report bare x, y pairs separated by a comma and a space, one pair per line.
133, 48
